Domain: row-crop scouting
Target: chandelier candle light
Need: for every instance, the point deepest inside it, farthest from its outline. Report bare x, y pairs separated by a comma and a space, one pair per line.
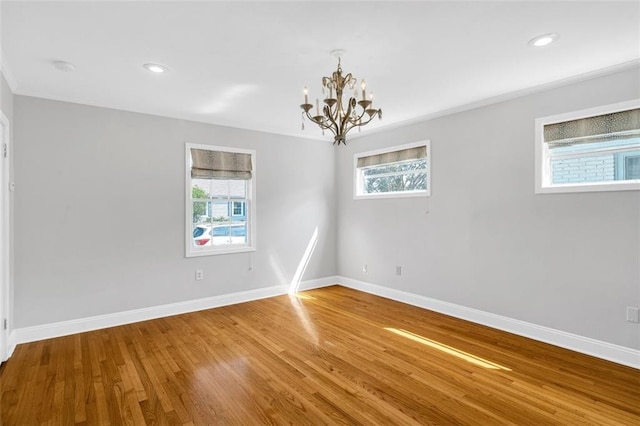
333, 115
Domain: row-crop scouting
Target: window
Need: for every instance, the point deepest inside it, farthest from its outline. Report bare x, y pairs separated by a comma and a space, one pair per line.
220, 185
591, 150
401, 171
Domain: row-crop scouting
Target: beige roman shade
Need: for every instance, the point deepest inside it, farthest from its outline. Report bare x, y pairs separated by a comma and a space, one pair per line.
208, 164
600, 128
393, 157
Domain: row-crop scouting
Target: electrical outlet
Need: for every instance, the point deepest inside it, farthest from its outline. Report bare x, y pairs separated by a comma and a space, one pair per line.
398, 270
633, 314
199, 275
364, 268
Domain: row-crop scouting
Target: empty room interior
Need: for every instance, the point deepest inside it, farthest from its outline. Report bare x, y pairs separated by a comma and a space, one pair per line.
320, 212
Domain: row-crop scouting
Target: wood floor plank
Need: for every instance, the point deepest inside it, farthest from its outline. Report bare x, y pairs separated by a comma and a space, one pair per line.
326, 356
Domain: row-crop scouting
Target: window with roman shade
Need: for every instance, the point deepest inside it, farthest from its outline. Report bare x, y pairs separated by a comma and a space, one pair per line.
220, 194
593, 150
208, 164
400, 171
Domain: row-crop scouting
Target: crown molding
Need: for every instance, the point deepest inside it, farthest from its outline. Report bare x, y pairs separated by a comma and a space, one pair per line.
613, 69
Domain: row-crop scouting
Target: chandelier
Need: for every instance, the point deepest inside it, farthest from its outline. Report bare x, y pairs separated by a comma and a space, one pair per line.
340, 115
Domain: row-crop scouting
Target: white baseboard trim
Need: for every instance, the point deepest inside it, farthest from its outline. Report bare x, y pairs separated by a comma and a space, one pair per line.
586, 345
65, 328
608, 351
319, 282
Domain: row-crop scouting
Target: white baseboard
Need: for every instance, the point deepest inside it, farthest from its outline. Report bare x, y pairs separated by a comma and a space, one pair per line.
319, 282
586, 345
65, 328
615, 353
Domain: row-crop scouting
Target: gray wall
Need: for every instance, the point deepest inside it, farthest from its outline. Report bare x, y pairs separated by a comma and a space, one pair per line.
99, 216
100, 211
6, 98
484, 239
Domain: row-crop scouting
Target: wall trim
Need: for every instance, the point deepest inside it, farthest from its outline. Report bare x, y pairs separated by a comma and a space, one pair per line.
6, 231
80, 325
586, 345
590, 75
608, 351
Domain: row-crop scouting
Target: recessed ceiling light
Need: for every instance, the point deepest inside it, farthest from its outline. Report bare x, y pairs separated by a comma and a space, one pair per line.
64, 66
543, 40
155, 68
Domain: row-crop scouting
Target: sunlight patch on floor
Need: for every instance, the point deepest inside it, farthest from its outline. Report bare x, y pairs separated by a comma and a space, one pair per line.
473, 359
303, 296
303, 317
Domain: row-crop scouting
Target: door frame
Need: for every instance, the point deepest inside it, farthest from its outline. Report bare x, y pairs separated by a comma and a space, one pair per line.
5, 235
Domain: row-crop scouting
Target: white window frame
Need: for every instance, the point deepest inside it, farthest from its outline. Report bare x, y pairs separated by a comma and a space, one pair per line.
357, 176
543, 183
195, 251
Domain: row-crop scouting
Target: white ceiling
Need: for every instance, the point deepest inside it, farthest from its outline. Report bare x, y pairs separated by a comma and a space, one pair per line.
244, 64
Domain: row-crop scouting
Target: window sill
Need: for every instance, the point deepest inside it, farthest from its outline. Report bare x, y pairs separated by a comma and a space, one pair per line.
219, 251
412, 194
633, 185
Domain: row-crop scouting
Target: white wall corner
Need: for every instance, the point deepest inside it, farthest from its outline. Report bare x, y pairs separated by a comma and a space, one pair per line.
319, 283
608, 351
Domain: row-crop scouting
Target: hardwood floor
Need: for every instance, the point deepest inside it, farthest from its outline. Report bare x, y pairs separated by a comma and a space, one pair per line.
327, 356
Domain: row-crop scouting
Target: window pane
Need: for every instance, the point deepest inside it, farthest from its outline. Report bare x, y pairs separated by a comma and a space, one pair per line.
396, 167
237, 188
632, 167
593, 162
200, 212
395, 183
198, 192
586, 168
220, 211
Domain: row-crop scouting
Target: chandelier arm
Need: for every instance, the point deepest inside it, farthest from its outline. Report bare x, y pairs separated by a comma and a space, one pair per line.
327, 113
347, 119
319, 123
354, 122
370, 118
358, 117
